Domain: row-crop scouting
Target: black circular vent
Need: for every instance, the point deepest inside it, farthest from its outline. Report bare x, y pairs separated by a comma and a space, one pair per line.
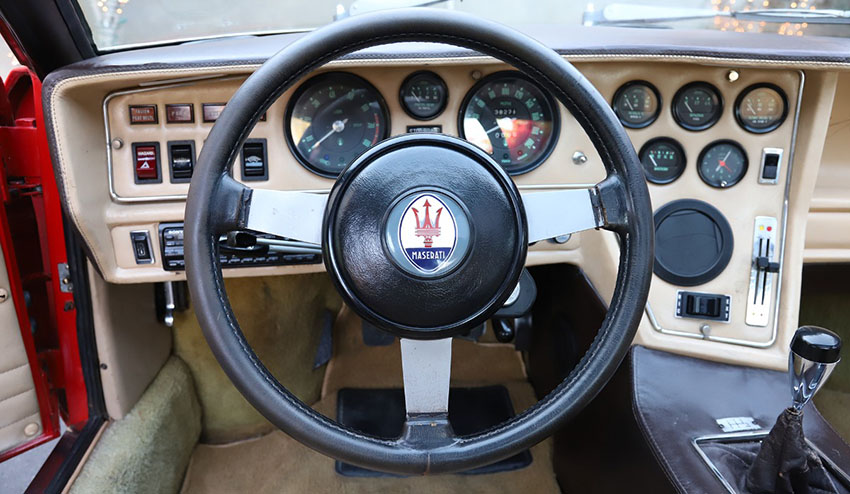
693, 242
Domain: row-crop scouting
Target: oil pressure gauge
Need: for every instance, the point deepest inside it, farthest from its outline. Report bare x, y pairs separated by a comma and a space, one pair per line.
423, 95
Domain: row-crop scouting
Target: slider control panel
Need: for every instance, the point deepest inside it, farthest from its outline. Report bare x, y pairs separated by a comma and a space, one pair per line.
765, 268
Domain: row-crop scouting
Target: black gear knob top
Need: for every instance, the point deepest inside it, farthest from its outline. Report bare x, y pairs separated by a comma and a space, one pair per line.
817, 344
814, 353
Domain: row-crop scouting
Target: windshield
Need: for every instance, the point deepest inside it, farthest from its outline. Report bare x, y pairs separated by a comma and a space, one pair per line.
117, 24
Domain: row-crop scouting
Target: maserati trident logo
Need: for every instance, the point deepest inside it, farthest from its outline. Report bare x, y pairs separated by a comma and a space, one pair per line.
427, 232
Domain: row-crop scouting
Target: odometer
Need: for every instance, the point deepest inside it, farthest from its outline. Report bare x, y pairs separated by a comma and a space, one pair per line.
332, 118
722, 164
511, 118
761, 108
663, 160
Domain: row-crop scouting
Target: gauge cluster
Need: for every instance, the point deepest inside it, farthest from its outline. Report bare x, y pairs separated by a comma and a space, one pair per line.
696, 107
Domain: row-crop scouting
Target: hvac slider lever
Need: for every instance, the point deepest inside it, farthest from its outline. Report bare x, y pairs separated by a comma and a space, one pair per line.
763, 271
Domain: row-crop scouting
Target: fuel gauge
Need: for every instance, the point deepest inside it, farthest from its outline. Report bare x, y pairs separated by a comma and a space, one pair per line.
423, 95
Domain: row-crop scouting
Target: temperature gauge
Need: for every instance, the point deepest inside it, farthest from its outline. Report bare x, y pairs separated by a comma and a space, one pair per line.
722, 164
423, 95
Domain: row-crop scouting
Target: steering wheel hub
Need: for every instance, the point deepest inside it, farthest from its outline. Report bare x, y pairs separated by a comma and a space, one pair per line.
411, 222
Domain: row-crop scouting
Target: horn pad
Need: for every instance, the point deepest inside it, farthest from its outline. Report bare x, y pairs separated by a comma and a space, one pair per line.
426, 236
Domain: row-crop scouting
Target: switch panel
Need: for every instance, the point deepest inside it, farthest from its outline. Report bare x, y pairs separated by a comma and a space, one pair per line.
146, 162
181, 157
141, 247
771, 159
255, 160
764, 269
706, 306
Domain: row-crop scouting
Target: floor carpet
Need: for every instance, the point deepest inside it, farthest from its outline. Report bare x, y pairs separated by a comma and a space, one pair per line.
275, 463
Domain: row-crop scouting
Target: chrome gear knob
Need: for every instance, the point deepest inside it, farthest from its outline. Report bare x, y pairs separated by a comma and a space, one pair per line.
814, 353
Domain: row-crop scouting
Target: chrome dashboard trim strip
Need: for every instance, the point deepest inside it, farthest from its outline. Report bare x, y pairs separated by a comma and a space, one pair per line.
778, 296
180, 82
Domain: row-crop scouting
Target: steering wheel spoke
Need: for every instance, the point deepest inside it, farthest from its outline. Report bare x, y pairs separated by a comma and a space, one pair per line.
560, 212
291, 214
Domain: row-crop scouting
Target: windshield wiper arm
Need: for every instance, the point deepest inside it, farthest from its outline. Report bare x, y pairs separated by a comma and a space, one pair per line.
628, 14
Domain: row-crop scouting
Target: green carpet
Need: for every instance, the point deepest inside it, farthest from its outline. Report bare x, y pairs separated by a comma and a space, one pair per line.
148, 450
282, 318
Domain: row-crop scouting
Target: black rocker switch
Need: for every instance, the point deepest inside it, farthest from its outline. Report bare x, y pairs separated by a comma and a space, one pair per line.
181, 155
255, 160
771, 167
702, 305
141, 247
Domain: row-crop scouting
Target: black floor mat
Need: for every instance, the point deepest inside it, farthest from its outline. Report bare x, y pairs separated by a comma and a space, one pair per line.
380, 413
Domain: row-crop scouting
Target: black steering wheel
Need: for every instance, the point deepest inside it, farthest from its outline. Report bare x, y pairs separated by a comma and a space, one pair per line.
425, 236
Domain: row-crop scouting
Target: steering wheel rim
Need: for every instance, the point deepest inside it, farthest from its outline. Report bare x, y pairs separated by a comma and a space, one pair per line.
621, 204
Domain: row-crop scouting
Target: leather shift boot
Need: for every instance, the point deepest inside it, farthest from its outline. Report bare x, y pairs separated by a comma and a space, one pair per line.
785, 464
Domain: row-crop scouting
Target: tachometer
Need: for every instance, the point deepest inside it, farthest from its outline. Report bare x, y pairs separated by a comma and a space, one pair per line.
511, 118
332, 118
722, 164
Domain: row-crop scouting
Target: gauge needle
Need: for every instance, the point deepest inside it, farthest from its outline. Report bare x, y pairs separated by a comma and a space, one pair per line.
415, 97
652, 159
750, 106
337, 126
629, 103
496, 127
688, 107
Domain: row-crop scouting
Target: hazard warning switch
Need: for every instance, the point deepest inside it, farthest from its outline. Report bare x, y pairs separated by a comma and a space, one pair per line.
147, 162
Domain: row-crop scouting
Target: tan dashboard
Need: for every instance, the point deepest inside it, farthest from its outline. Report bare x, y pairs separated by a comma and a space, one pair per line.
99, 158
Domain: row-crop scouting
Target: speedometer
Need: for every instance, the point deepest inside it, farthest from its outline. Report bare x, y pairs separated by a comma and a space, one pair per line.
510, 117
332, 118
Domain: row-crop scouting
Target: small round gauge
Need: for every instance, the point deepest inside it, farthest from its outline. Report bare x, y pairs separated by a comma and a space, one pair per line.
761, 108
722, 164
697, 106
424, 95
637, 104
663, 160
511, 118
332, 118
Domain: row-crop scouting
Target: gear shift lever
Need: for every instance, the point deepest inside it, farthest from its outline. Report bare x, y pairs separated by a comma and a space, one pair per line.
814, 353
785, 463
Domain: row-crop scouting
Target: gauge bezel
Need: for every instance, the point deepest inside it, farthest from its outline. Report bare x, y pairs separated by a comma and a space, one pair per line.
712, 144
629, 85
553, 104
435, 78
697, 84
310, 83
675, 144
740, 99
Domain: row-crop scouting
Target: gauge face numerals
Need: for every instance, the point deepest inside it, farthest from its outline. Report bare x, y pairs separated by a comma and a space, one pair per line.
637, 104
722, 164
663, 160
512, 119
761, 108
697, 106
332, 118
424, 95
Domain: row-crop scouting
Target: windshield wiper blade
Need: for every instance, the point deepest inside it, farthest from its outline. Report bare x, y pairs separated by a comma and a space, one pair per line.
635, 15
